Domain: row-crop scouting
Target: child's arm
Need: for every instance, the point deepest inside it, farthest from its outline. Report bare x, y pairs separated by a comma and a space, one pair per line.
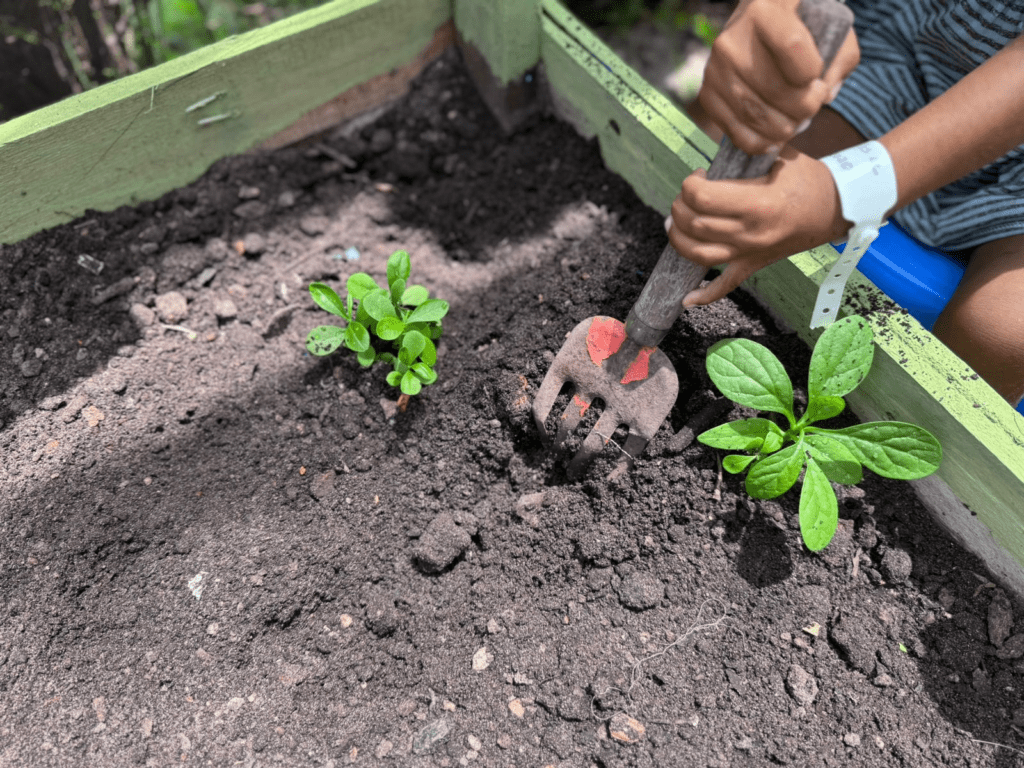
764, 78
750, 224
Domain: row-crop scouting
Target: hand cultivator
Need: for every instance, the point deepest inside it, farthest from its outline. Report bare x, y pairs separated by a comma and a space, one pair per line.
620, 363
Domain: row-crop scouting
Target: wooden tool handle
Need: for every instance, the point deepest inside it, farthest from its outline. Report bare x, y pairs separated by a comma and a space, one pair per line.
660, 301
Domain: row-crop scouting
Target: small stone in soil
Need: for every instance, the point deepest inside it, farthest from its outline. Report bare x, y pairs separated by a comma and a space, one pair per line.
254, 244
171, 307
225, 309
640, 591
625, 729
441, 543
429, 736
801, 685
141, 315
313, 225
1000, 618
851, 740
896, 566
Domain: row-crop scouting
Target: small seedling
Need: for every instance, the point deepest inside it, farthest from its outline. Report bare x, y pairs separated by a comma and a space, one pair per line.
401, 314
749, 374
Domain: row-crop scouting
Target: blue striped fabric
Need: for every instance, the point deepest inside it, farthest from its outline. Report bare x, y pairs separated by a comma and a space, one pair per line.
911, 52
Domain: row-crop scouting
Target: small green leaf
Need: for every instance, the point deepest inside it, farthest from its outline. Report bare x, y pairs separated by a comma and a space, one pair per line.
773, 441
410, 384
362, 316
378, 305
357, 338
361, 284
742, 435
397, 289
399, 267
324, 339
390, 328
751, 375
429, 311
326, 298
819, 510
413, 344
821, 407
773, 475
394, 377
835, 459
429, 353
892, 448
842, 358
386, 357
424, 373
903, 648
414, 296
737, 462
348, 305
367, 357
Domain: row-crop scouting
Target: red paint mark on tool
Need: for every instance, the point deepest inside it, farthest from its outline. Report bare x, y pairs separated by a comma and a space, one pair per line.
581, 404
640, 368
604, 337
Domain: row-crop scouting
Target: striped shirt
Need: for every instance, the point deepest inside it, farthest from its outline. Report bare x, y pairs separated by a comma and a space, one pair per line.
911, 52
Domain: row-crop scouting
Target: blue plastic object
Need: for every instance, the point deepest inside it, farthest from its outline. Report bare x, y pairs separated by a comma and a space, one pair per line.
919, 278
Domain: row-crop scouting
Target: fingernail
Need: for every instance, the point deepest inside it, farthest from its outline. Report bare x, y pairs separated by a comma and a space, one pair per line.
835, 92
668, 223
803, 126
688, 300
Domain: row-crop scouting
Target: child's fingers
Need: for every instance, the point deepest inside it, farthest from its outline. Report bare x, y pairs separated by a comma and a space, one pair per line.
725, 283
843, 64
749, 135
789, 42
703, 253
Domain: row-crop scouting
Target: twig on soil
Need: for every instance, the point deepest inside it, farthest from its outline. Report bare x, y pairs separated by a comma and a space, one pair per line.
717, 493
634, 673
608, 441
969, 735
856, 565
192, 335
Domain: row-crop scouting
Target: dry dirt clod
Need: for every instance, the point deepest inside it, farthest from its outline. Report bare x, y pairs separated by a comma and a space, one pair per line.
1000, 618
640, 591
441, 544
171, 307
896, 566
801, 685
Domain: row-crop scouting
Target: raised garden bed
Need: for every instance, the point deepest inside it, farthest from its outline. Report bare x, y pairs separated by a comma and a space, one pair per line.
220, 549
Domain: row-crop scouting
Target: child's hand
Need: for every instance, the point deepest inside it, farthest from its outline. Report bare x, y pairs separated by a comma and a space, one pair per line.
748, 224
764, 79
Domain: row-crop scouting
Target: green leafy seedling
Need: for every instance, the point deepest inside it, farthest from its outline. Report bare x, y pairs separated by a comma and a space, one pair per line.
403, 315
749, 374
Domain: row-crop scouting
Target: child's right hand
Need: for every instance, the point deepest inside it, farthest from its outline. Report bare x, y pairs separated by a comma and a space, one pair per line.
764, 82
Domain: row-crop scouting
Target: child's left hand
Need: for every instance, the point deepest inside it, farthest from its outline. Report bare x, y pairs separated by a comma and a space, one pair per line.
747, 224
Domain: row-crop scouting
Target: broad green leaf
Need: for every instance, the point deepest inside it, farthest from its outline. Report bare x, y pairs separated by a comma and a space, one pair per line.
357, 338
429, 353
378, 305
413, 344
751, 375
842, 358
892, 448
326, 298
737, 462
348, 306
773, 441
819, 510
360, 284
390, 328
397, 289
773, 475
398, 267
434, 331
430, 311
394, 377
424, 373
367, 357
362, 316
410, 384
742, 435
387, 357
324, 339
834, 458
821, 407
414, 296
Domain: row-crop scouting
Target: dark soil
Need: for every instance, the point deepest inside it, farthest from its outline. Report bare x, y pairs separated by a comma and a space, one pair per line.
219, 550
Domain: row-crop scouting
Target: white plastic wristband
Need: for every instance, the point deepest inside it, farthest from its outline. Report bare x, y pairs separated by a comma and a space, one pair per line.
866, 182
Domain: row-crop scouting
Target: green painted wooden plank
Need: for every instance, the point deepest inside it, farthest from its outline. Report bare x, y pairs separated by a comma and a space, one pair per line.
137, 138
506, 32
915, 378
642, 138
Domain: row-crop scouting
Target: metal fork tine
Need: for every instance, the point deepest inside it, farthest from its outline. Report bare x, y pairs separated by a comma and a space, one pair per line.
594, 444
545, 399
571, 417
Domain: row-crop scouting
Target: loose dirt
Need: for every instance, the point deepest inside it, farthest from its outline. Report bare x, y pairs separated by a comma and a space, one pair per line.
217, 549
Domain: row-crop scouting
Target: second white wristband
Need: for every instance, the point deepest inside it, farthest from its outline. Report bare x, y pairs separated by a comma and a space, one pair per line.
866, 182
